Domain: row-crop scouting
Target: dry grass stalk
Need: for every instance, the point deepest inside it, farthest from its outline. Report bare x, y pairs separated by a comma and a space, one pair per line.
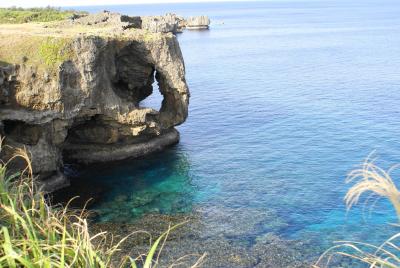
34, 234
369, 178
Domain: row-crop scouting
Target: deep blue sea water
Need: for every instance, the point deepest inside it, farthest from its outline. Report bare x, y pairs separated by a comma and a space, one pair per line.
287, 97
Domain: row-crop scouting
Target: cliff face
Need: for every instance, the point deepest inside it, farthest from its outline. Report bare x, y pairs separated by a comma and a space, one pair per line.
200, 22
173, 23
75, 94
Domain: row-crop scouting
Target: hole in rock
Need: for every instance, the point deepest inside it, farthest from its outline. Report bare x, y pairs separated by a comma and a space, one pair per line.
155, 99
134, 79
22, 132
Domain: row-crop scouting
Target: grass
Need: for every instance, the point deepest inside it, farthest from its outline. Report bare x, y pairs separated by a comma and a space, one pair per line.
54, 51
377, 182
44, 52
20, 15
34, 234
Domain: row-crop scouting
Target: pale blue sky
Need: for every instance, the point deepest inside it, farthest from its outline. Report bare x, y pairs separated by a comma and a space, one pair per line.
59, 3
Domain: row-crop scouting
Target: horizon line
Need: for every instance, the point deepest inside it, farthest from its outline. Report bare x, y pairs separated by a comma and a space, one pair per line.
74, 3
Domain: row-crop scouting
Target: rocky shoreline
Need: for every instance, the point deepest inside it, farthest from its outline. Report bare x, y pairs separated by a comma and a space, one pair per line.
71, 91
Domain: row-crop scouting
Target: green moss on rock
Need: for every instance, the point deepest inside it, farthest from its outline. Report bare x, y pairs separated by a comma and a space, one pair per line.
54, 51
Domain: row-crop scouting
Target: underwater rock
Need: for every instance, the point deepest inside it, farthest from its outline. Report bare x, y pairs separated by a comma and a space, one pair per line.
194, 238
233, 222
273, 251
74, 93
143, 198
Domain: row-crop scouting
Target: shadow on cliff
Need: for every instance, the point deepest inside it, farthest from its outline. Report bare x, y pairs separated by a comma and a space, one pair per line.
123, 191
8, 84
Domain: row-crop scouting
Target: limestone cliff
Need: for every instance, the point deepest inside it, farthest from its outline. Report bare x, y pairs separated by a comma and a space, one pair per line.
74, 93
200, 22
173, 23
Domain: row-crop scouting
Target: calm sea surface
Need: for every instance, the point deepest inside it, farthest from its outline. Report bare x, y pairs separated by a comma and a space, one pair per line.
286, 98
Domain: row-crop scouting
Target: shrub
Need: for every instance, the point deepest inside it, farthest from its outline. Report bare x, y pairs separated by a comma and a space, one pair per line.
21, 15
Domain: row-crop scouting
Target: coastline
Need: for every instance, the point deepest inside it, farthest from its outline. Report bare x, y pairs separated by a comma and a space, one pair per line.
278, 119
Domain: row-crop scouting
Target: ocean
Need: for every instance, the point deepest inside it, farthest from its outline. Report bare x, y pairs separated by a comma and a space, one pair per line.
287, 97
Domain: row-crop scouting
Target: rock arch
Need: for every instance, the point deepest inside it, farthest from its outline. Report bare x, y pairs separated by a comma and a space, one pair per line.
89, 109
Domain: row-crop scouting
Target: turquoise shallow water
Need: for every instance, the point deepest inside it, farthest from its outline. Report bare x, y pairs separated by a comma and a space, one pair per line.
287, 98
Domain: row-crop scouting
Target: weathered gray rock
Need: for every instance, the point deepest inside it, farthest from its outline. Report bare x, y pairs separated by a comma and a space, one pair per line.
6, 83
107, 18
168, 23
173, 23
200, 22
84, 104
163, 24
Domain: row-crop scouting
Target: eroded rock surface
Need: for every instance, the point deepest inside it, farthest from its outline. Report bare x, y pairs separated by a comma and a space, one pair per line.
107, 18
199, 22
74, 93
173, 23
168, 23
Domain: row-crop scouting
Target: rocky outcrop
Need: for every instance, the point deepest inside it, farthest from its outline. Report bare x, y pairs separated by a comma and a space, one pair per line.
173, 23
107, 18
163, 24
169, 23
75, 94
200, 22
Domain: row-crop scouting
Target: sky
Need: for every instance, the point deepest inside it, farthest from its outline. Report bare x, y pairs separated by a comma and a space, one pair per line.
61, 3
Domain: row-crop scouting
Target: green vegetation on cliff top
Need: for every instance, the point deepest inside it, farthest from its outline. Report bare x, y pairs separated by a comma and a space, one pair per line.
21, 15
41, 51
44, 52
54, 51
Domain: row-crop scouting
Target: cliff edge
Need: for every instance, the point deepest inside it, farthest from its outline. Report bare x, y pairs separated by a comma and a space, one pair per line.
72, 92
